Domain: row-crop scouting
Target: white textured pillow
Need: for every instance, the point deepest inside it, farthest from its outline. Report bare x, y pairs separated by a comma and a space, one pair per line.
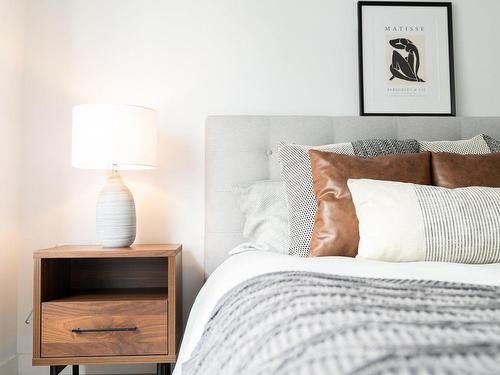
475, 145
401, 222
266, 216
296, 175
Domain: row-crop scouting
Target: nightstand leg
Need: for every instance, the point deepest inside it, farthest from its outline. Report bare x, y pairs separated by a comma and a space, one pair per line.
163, 369
55, 370
76, 370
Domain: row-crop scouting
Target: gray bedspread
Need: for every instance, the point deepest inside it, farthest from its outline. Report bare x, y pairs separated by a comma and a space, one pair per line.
310, 323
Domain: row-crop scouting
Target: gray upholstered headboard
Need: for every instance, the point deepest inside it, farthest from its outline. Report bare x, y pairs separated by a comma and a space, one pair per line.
244, 148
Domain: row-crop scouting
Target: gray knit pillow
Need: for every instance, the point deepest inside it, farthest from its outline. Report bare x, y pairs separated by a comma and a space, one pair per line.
493, 144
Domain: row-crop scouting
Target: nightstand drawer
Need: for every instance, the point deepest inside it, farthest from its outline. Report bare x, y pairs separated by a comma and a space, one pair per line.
104, 328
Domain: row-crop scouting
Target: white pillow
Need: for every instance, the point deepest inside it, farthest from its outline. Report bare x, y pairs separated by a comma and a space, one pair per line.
401, 222
266, 216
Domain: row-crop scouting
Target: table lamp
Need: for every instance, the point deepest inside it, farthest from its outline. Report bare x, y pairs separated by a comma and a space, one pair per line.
114, 137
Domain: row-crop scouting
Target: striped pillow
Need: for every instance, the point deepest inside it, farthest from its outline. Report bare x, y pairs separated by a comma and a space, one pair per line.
400, 222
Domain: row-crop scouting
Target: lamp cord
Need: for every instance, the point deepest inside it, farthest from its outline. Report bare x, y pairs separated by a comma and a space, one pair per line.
27, 320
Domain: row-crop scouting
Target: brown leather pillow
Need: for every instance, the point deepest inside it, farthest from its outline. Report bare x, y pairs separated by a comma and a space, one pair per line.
455, 171
336, 229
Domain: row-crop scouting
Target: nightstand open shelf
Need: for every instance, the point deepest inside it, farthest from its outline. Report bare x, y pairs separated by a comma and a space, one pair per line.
107, 306
68, 277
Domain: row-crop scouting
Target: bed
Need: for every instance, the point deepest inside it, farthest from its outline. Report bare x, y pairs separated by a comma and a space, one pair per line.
232, 311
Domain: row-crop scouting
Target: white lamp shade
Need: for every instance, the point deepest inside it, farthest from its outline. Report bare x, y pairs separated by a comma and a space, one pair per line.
107, 136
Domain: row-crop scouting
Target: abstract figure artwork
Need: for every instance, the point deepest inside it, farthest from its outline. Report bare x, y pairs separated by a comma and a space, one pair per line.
405, 68
406, 58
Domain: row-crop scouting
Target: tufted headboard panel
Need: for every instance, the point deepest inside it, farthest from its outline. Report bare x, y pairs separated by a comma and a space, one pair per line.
244, 148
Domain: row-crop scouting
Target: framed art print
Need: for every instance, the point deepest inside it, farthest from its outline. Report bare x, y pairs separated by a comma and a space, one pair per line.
405, 59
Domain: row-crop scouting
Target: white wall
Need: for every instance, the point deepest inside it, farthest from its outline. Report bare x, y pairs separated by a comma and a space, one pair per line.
189, 59
11, 59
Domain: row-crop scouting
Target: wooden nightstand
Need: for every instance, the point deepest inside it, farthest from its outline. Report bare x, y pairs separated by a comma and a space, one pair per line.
97, 305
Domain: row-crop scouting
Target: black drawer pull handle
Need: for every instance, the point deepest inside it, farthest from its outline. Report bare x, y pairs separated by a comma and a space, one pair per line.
127, 329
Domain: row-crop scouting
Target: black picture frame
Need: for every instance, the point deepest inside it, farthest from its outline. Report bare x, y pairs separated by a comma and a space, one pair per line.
448, 6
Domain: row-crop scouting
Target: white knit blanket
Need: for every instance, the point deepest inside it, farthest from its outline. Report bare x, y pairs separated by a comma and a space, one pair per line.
310, 323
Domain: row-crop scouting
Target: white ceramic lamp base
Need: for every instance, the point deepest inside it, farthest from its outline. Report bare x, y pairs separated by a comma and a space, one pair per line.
116, 220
